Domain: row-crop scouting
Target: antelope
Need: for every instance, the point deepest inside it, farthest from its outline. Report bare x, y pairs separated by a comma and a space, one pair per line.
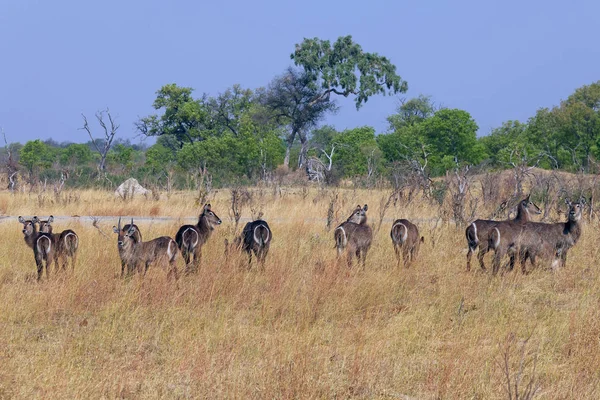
538, 239
66, 243
355, 235
41, 243
191, 238
136, 252
125, 262
478, 231
255, 237
405, 238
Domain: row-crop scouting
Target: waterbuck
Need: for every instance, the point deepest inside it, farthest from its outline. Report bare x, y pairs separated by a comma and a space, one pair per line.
355, 235
255, 237
477, 232
122, 231
405, 237
135, 252
191, 238
41, 243
66, 243
535, 239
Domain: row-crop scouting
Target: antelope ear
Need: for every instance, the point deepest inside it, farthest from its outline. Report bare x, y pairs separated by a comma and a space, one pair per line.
21, 219
115, 229
582, 201
568, 202
35, 220
528, 197
366, 207
51, 219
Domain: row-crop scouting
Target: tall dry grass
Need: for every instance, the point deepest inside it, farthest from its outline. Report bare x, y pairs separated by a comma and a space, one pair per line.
307, 327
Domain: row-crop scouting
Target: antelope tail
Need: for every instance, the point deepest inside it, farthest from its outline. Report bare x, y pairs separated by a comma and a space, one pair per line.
44, 245
71, 242
341, 240
261, 235
472, 238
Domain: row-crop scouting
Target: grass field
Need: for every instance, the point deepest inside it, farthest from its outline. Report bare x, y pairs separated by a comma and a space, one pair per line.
306, 327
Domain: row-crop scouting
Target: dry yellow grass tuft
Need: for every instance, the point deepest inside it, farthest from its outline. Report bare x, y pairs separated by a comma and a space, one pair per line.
307, 327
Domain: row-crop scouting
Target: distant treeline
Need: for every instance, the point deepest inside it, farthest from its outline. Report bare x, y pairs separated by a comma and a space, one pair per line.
243, 136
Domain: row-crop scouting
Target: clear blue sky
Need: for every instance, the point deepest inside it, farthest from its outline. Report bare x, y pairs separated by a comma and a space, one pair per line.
498, 60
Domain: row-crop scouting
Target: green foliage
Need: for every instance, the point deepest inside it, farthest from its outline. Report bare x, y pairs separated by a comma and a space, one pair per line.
355, 147
76, 155
344, 69
183, 117
35, 155
159, 158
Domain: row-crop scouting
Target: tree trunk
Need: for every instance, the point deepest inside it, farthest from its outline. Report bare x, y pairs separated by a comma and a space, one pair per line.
303, 151
288, 147
286, 159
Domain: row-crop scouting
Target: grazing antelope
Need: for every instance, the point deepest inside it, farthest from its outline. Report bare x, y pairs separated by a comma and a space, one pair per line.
125, 262
255, 237
478, 231
41, 243
136, 252
355, 235
405, 237
66, 243
191, 238
535, 239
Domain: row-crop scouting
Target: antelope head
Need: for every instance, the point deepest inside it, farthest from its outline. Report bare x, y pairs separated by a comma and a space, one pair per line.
45, 226
211, 218
28, 225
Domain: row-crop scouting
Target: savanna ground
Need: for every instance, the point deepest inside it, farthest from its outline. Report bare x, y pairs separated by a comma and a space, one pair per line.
306, 327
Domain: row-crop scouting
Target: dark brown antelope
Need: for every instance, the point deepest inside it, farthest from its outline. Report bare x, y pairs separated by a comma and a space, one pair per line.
255, 238
122, 231
137, 253
406, 240
535, 239
41, 243
477, 232
355, 235
191, 238
66, 243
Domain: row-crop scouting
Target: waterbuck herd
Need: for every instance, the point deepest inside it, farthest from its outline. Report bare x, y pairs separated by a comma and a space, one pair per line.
520, 239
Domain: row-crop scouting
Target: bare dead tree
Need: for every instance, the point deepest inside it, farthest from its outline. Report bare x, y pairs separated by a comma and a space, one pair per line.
460, 188
520, 380
520, 163
11, 166
109, 134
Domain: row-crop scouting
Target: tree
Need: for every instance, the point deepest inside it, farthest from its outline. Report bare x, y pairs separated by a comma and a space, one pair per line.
344, 69
412, 112
76, 154
289, 98
183, 117
34, 156
355, 149
109, 135
452, 136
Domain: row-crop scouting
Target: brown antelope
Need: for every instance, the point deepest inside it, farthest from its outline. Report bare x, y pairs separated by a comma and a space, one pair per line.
191, 238
405, 237
535, 239
125, 262
478, 231
355, 235
66, 243
162, 249
255, 237
41, 243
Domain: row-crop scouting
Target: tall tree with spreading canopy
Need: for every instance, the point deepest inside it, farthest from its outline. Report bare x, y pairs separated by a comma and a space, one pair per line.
341, 69
289, 98
344, 69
